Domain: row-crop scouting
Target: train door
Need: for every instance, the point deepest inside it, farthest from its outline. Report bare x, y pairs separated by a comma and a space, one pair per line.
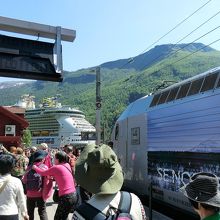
136, 153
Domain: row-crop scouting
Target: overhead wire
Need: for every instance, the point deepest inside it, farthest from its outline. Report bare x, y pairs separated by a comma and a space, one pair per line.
142, 67
188, 55
176, 26
199, 27
180, 23
186, 45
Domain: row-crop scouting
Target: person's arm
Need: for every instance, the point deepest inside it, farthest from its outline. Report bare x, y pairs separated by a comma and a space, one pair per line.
22, 201
50, 172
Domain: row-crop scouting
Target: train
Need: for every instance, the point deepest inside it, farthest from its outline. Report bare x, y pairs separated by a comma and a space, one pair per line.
164, 138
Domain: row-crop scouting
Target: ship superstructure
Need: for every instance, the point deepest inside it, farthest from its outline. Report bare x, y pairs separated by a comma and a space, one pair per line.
58, 125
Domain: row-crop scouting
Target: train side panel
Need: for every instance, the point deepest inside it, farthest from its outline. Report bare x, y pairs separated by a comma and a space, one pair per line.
183, 139
131, 145
170, 136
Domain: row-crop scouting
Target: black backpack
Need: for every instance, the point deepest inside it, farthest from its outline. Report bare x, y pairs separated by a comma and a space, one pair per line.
89, 212
34, 181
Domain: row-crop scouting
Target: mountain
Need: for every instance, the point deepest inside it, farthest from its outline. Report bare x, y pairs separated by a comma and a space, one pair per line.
155, 55
122, 82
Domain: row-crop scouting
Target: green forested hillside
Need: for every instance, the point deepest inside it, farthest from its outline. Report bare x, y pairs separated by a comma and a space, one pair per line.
119, 87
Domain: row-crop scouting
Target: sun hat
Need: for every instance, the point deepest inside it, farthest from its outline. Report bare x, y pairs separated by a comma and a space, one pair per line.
203, 188
40, 154
98, 170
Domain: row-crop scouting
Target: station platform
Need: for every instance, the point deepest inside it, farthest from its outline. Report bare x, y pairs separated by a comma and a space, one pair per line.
51, 209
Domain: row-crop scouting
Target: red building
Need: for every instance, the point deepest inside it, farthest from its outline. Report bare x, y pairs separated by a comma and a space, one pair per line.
12, 124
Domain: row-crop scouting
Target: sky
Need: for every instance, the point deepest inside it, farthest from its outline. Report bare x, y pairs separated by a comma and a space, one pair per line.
108, 30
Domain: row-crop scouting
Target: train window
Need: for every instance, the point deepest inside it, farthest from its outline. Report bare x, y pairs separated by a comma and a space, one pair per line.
163, 97
209, 82
218, 84
183, 90
195, 87
135, 135
155, 100
116, 132
172, 94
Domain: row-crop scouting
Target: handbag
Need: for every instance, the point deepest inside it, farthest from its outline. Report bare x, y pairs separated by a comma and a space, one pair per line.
56, 195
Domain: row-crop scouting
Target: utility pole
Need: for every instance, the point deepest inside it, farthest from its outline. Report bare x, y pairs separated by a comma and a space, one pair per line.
98, 106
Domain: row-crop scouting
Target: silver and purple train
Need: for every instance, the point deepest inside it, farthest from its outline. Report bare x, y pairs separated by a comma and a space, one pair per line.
166, 137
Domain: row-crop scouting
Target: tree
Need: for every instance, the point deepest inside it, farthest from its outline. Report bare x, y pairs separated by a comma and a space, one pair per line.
26, 138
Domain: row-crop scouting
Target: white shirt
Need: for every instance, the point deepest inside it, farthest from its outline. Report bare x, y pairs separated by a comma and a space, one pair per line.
104, 202
12, 197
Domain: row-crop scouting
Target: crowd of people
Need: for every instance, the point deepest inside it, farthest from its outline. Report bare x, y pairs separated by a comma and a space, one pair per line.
95, 174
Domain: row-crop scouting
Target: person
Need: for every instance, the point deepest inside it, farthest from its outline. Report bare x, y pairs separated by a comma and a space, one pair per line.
110, 144
12, 198
68, 149
73, 154
99, 172
48, 159
37, 197
63, 176
33, 149
13, 150
204, 195
20, 164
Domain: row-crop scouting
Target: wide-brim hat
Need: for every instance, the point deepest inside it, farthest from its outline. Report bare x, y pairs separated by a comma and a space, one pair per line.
98, 170
39, 155
203, 188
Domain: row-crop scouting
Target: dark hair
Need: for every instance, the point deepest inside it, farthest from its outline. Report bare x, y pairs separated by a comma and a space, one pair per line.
110, 144
38, 160
7, 163
194, 204
62, 157
205, 206
68, 148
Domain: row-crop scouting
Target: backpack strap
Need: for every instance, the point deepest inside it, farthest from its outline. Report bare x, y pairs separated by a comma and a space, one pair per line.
4, 184
125, 204
89, 212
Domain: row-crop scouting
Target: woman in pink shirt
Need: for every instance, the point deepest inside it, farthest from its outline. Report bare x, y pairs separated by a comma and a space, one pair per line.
62, 173
38, 189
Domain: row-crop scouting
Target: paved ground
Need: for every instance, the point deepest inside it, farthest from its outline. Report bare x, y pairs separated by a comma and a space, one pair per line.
51, 208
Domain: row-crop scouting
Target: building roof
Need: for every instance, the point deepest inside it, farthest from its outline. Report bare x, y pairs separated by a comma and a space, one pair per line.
15, 109
15, 117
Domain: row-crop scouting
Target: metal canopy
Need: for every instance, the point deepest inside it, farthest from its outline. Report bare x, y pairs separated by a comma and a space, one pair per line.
35, 29
32, 59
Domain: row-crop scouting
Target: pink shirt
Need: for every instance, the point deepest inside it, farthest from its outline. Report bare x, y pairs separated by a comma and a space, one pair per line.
63, 176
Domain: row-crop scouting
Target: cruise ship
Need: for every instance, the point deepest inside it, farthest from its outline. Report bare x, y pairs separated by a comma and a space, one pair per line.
57, 125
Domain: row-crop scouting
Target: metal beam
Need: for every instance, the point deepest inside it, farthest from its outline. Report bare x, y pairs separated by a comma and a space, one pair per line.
35, 29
